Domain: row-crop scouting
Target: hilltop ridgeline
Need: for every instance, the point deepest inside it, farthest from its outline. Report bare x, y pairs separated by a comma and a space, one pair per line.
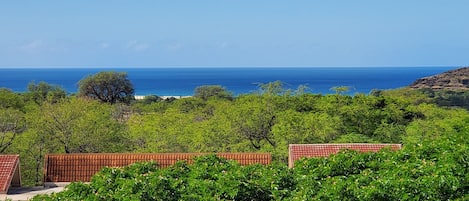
454, 80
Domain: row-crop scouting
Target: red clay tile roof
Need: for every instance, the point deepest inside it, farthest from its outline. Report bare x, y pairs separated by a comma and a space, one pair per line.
9, 168
81, 167
297, 151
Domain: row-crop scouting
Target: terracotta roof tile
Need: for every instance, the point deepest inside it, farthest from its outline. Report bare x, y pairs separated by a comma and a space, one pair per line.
297, 151
81, 167
9, 168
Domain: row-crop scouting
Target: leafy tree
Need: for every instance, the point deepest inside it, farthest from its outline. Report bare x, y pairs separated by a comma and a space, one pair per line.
438, 123
301, 90
79, 126
449, 98
360, 116
213, 130
306, 128
295, 127
407, 96
110, 87
207, 91
43, 91
253, 118
340, 89
272, 88
169, 131
188, 105
12, 123
32, 146
9, 99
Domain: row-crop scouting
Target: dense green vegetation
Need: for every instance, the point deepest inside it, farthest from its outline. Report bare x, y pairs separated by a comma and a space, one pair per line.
431, 125
430, 170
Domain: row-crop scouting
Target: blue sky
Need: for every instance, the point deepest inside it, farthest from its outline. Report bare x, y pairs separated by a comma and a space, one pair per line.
241, 33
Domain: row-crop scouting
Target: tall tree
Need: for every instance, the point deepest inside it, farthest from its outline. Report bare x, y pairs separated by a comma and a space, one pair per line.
272, 88
11, 124
253, 118
339, 90
79, 126
44, 91
207, 91
110, 87
169, 131
9, 99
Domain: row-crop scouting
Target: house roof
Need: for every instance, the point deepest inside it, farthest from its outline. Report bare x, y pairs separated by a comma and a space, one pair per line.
297, 151
9, 172
81, 167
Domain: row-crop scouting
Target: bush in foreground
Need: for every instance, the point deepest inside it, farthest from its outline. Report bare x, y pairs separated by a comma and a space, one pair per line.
433, 170
208, 178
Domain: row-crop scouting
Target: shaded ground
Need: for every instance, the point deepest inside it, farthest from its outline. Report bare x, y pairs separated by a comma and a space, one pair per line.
27, 193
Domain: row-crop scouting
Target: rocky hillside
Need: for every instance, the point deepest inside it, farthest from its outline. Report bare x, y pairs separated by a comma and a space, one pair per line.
450, 80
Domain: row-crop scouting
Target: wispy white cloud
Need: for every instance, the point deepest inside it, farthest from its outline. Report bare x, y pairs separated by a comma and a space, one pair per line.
32, 46
40, 46
137, 46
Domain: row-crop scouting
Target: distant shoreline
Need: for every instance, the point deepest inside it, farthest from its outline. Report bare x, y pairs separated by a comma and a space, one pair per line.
141, 97
181, 82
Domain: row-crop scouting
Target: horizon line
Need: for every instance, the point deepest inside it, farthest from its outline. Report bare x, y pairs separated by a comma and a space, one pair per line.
165, 67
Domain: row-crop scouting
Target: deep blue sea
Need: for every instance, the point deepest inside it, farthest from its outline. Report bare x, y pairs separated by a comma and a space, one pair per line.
183, 81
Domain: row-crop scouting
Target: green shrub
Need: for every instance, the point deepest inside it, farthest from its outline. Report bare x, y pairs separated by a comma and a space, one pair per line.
432, 170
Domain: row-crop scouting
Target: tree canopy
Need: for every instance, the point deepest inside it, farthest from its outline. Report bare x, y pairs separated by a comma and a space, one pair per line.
207, 91
263, 121
110, 87
44, 91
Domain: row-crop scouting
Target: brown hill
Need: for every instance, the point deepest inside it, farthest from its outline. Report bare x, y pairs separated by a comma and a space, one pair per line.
450, 80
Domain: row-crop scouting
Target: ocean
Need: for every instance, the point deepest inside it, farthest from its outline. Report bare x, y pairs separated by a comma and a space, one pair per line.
183, 81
